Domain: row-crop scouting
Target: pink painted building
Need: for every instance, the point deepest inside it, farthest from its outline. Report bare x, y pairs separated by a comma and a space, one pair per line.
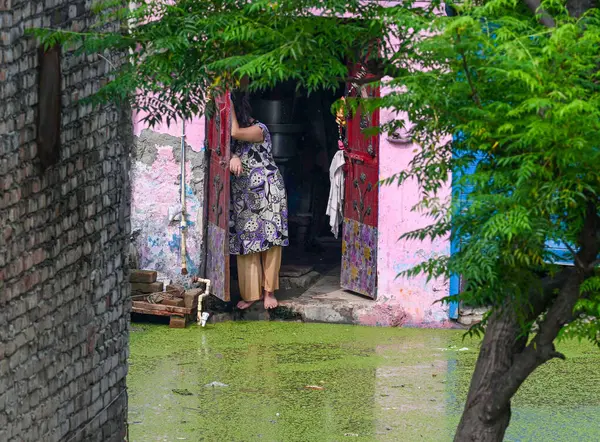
367, 257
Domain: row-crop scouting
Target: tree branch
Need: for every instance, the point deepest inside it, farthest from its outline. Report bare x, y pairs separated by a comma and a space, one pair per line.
504, 338
545, 18
578, 7
474, 93
361, 81
576, 259
593, 265
541, 349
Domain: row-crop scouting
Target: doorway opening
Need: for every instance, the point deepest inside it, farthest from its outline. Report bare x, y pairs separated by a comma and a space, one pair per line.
305, 137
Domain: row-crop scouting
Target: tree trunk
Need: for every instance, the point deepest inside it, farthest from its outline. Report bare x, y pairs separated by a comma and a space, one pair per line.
506, 359
503, 339
577, 7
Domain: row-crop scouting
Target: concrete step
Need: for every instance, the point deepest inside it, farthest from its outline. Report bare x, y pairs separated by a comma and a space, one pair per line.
308, 298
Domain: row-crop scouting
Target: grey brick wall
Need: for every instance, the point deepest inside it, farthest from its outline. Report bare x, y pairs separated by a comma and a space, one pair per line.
64, 234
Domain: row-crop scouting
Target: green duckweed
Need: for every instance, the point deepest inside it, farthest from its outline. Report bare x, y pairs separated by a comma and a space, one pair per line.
273, 381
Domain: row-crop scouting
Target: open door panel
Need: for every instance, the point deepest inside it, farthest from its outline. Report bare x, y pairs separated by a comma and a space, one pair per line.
361, 197
218, 129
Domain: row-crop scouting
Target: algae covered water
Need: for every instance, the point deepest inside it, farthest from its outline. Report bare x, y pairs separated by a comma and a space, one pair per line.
274, 381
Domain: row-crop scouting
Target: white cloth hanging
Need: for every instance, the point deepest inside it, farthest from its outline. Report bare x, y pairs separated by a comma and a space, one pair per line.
335, 205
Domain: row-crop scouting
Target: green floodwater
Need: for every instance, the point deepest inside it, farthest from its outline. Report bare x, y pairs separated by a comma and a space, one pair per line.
247, 381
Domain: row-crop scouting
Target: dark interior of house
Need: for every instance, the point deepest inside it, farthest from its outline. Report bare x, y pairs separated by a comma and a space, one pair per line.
305, 136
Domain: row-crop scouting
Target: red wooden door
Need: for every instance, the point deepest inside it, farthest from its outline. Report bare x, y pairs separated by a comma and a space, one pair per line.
361, 199
218, 129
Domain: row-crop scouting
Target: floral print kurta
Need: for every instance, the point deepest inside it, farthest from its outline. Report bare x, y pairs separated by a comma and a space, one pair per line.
259, 217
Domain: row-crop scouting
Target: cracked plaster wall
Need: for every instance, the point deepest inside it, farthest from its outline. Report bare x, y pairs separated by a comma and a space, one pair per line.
155, 178
155, 189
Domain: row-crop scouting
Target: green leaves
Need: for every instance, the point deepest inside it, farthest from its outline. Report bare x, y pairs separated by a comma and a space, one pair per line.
178, 51
523, 98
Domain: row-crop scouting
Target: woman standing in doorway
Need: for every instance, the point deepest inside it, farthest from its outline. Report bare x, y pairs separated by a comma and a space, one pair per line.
259, 227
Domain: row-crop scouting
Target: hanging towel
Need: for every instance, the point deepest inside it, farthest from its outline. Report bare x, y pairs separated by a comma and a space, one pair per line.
335, 205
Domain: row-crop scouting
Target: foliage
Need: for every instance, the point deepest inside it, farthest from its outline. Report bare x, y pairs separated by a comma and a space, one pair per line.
522, 101
179, 51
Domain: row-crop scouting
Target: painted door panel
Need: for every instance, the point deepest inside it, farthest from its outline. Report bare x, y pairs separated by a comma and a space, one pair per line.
361, 200
218, 144
460, 195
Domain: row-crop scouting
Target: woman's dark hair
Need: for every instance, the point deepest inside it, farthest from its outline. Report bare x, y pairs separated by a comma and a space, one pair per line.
243, 110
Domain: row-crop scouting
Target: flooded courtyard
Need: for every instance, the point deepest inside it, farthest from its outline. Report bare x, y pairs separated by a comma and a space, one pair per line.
276, 381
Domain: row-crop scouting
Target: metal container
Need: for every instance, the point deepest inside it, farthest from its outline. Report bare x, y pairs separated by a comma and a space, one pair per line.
285, 146
273, 111
286, 128
285, 139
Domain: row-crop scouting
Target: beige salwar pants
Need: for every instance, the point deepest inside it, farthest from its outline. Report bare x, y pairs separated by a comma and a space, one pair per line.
257, 271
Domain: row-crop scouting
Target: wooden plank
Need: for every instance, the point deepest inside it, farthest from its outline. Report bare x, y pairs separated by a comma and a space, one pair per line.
145, 276
143, 311
147, 288
154, 309
49, 107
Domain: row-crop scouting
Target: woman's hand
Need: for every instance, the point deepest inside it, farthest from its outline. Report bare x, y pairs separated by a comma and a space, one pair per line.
235, 165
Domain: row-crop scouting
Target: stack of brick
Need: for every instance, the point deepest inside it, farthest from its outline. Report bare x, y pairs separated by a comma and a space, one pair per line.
144, 282
175, 301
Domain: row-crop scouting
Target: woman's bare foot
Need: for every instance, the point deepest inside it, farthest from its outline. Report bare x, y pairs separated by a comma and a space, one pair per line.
242, 305
270, 301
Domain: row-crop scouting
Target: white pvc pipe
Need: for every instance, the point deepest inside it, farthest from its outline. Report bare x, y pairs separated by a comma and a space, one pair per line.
201, 319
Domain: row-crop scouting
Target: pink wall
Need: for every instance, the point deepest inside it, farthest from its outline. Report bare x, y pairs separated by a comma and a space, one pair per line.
194, 130
415, 296
400, 301
155, 190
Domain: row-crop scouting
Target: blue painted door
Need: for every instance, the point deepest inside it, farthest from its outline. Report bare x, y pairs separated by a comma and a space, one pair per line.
562, 255
460, 196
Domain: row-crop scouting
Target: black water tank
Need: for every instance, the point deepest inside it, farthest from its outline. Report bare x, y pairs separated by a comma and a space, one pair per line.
281, 119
